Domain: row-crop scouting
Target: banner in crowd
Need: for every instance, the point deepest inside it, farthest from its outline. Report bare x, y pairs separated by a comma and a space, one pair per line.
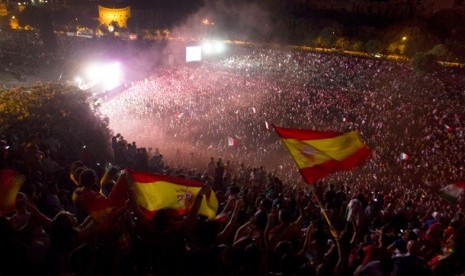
452, 191
94, 203
10, 183
154, 192
320, 153
231, 141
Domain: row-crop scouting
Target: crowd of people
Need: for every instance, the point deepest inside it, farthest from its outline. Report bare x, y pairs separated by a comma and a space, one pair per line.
213, 122
228, 106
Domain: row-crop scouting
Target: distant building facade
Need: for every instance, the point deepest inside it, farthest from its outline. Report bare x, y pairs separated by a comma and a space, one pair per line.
108, 15
3, 10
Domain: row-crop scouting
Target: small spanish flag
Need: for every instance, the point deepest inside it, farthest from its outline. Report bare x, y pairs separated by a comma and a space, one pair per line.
10, 183
94, 203
320, 153
452, 192
154, 192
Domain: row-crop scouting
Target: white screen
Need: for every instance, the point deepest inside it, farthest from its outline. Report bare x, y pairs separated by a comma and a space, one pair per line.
193, 53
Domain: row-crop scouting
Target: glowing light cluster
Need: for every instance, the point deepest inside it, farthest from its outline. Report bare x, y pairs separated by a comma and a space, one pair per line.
106, 75
212, 47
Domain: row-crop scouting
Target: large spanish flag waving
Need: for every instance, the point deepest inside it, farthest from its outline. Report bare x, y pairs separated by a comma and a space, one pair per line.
10, 183
154, 192
320, 153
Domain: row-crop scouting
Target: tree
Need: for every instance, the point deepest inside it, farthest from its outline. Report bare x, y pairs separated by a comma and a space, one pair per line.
440, 51
418, 41
342, 43
356, 45
4, 22
115, 25
373, 46
424, 63
64, 19
63, 112
40, 18
134, 24
87, 19
329, 36
457, 50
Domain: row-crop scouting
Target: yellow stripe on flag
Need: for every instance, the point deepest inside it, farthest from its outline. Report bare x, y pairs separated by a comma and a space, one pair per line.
10, 184
308, 153
162, 194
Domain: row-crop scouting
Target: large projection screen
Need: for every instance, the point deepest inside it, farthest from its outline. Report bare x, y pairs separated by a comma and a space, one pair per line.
193, 53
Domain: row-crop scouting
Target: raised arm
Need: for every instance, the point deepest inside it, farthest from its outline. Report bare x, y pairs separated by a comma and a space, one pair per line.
229, 228
191, 218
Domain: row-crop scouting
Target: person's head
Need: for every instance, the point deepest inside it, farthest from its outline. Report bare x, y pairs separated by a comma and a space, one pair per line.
113, 172
163, 218
383, 240
75, 165
21, 201
63, 233
88, 178
265, 205
260, 220
64, 220
76, 169
412, 247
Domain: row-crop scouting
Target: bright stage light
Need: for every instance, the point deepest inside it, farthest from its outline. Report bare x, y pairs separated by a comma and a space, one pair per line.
93, 72
107, 75
110, 76
219, 47
213, 47
207, 47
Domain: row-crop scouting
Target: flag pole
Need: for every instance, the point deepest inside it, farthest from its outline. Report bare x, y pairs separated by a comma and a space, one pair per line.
325, 215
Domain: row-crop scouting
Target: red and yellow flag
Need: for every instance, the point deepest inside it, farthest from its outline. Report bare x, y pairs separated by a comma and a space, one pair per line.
320, 153
10, 183
154, 192
94, 203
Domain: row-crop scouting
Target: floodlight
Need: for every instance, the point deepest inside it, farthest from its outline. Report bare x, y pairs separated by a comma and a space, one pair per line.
218, 47
207, 47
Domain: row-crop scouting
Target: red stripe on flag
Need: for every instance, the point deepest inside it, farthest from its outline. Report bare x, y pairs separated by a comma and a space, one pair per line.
10, 184
6, 177
312, 174
460, 184
148, 178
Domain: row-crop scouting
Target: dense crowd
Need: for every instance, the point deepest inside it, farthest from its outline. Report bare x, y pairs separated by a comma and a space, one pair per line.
198, 111
387, 219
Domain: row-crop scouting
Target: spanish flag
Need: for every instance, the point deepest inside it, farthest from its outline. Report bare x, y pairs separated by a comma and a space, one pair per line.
452, 192
94, 203
154, 192
97, 205
320, 153
10, 183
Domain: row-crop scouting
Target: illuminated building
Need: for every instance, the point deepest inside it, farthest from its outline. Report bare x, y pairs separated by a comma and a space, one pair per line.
108, 15
3, 10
